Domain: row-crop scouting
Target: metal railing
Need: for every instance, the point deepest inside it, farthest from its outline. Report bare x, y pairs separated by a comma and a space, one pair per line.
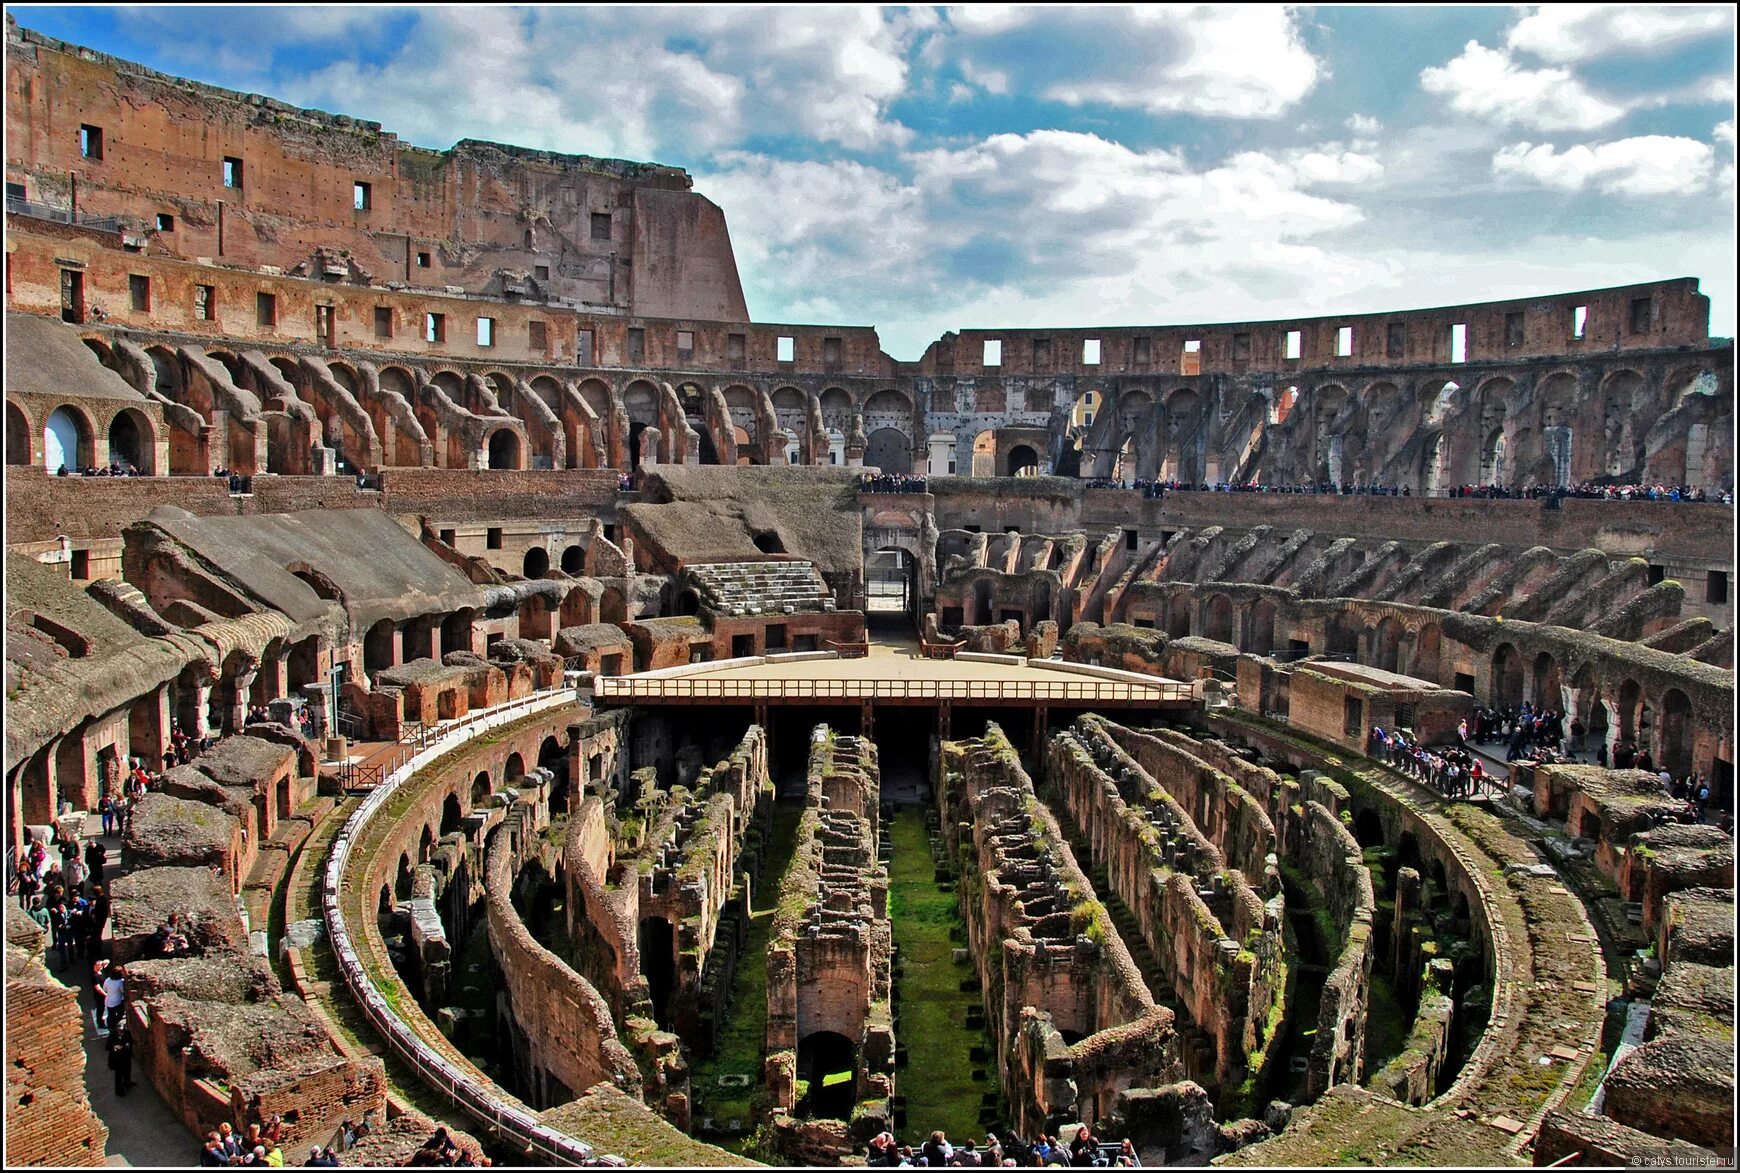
437, 1071
23, 207
1085, 690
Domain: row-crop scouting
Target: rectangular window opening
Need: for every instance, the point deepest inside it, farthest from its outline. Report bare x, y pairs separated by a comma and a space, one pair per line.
636, 344
324, 324
1344, 342
541, 272
583, 349
1241, 347
1656, 573
993, 356
1041, 353
1352, 716
362, 196
434, 327
492, 538
1295, 344
204, 302
383, 321
1142, 351
449, 537
232, 172
165, 222
538, 336
91, 142
1640, 315
1579, 321
1716, 587
601, 226
266, 309
81, 564
1513, 329
422, 260
831, 353
786, 349
139, 290
1396, 342
1090, 352
486, 331
1459, 342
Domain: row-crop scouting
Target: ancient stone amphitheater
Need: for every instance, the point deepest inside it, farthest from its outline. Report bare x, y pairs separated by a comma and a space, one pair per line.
525, 698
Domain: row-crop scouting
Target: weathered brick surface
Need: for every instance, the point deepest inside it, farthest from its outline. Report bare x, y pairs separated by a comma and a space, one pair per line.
48, 1114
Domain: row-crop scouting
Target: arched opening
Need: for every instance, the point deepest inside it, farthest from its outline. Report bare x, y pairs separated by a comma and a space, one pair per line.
1386, 645
889, 451
1507, 676
378, 648
130, 442
425, 844
402, 883
1676, 733
18, 436
536, 563
688, 602
888, 584
573, 560
513, 769
1368, 829
554, 759
1023, 461
828, 1062
1262, 628
982, 603
1178, 617
456, 631
384, 906
1590, 710
1549, 690
658, 965
1630, 696
1217, 619
450, 814
480, 787
504, 449
984, 461
66, 441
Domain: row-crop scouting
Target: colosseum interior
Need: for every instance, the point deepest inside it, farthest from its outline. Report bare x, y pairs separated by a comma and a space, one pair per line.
520, 642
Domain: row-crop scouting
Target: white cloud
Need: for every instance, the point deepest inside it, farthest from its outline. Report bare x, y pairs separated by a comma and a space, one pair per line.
640, 82
1565, 33
1244, 62
1487, 84
1724, 132
1647, 165
1364, 125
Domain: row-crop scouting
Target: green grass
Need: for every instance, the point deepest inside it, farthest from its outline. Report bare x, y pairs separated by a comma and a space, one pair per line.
938, 1079
739, 1042
1387, 1024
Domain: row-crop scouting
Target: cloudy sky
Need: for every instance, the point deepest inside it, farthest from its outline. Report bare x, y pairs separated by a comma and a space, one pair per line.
923, 170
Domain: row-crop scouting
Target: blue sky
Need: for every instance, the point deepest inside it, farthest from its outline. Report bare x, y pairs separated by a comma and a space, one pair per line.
928, 169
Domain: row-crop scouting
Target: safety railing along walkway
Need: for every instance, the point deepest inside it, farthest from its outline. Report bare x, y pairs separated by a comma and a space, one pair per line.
1084, 691
482, 1103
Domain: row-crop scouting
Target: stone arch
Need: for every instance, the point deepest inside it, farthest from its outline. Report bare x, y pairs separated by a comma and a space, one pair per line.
1217, 618
657, 939
513, 769
1589, 708
1328, 403
1507, 675
378, 648
1368, 829
574, 559
133, 441
68, 438
1260, 637
1178, 616
1427, 651
1675, 735
1023, 461
450, 814
481, 788
1630, 707
504, 449
536, 563
820, 1054
17, 434
425, 844
889, 450
404, 877
1387, 644
1549, 692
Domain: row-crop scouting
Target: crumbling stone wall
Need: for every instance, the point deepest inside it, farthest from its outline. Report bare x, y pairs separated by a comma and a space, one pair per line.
830, 951
49, 1120
1048, 956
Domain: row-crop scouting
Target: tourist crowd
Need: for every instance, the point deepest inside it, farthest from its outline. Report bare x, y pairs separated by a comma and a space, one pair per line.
891, 482
1085, 1151
256, 1144
1452, 771
115, 468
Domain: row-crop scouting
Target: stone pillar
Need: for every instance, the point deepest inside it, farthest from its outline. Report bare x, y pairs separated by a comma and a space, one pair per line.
274, 678
1407, 909
238, 714
201, 709
148, 727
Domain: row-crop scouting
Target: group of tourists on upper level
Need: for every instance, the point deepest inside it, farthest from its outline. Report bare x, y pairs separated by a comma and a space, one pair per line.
890, 482
115, 468
1084, 1150
1589, 491
1454, 772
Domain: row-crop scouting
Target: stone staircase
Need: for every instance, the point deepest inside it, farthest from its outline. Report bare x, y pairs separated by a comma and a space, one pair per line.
760, 588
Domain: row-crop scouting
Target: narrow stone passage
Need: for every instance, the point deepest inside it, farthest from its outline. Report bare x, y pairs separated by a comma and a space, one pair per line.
937, 1081
723, 1112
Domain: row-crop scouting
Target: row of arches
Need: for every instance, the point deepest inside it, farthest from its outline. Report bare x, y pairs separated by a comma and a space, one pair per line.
73, 439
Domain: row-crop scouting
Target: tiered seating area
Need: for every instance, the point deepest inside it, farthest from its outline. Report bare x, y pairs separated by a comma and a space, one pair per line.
761, 588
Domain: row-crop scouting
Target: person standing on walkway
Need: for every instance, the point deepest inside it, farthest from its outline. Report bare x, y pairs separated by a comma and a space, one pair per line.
114, 996
121, 1058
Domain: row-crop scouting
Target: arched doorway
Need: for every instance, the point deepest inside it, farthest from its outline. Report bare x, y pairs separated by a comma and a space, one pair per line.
1217, 619
66, 441
504, 449
1178, 617
17, 435
658, 965
1387, 644
573, 560
888, 450
888, 582
1023, 461
536, 563
1676, 733
378, 647
828, 1062
1262, 628
1507, 676
130, 442
450, 814
480, 787
1549, 690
